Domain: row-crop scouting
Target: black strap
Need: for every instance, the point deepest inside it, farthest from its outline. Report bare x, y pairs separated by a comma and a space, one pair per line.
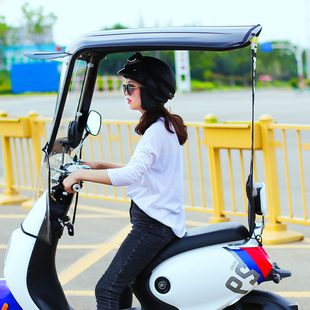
250, 188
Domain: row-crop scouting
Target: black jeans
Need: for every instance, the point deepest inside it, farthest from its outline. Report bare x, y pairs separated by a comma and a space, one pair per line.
144, 241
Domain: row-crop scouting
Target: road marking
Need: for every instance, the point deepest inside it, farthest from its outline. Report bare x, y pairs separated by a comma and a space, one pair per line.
99, 212
79, 216
283, 294
195, 223
12, 216
79, 293
103, 210
302, 245
294, 294
96, 246
92, 257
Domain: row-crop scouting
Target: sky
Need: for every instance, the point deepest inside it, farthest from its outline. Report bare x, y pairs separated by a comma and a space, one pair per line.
281, 19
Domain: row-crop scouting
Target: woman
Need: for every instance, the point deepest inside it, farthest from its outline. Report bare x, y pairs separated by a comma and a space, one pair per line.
153, 177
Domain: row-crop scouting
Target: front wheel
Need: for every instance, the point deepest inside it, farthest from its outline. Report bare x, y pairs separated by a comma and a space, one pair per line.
262, 300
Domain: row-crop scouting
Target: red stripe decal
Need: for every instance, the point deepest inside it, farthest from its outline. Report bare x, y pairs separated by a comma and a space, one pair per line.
261, 258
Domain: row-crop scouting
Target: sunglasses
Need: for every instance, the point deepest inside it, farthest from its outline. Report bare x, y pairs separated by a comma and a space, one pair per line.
127, 88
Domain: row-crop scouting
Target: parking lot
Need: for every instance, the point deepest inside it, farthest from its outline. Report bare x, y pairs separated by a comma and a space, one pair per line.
99, 229
101, 226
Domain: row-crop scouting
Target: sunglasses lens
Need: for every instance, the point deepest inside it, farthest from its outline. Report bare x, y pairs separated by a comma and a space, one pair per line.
127, 89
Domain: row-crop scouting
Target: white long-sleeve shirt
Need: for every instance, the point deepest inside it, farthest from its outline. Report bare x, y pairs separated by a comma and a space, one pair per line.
154, 177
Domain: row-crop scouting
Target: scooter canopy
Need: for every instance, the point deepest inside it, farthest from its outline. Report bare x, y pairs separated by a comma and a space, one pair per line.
94, 47
148, 39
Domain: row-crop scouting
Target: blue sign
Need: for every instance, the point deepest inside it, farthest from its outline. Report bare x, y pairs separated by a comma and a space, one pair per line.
266, 47
36, 77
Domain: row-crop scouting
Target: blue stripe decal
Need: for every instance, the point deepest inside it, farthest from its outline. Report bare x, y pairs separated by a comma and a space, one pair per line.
247, 259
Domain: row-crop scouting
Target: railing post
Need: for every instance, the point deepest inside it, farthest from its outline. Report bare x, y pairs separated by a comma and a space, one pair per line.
275, 231
10, 195
216, 186
37, 131
216, 178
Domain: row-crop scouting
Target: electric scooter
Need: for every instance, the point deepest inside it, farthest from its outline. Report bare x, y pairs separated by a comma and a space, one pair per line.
214, 267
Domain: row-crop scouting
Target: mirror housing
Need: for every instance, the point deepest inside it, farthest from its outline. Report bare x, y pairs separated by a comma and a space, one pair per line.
260, 199
93, 124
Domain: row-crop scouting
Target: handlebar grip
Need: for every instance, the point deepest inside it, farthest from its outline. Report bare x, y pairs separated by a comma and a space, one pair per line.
76, 187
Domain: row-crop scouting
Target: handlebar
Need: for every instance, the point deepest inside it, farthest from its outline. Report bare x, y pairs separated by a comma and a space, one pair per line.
76, 187
64, 171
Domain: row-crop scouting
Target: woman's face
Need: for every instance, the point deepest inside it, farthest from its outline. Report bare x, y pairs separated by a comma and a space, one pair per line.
134, 100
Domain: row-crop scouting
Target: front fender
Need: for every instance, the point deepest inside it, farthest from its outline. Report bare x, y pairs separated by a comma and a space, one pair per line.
267, 301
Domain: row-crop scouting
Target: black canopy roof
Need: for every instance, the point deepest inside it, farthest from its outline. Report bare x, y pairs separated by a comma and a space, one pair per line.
146, 39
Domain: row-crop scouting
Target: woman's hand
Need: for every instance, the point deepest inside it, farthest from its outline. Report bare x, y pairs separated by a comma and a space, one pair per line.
70, 180
97, 176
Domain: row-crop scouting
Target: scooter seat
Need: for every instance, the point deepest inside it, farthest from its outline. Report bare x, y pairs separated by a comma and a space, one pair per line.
200, 237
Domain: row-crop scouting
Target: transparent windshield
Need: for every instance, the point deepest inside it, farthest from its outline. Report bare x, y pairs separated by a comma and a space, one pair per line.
60, 155
73, 97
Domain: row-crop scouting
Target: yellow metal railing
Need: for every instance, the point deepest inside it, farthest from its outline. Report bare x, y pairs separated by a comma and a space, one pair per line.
294, 172
21, 152
216, 165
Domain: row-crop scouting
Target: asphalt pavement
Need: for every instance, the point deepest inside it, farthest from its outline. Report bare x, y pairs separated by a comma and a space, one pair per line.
101, 226
284, 105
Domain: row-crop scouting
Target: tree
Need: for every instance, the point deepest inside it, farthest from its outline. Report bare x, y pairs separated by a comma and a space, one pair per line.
4, 29
37, 22
279, 63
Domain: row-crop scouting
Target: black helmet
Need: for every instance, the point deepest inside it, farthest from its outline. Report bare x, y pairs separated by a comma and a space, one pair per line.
156, 76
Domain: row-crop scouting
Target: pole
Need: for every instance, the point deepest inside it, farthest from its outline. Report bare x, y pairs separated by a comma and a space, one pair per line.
297, 51
307, 9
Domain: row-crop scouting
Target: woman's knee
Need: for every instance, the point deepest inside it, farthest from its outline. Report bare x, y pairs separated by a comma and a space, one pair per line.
100, 290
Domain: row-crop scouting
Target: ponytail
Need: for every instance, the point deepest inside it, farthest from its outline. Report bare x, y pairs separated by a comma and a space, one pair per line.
152, 115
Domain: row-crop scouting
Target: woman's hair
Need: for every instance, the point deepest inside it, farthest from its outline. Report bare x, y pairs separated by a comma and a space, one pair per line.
152, 115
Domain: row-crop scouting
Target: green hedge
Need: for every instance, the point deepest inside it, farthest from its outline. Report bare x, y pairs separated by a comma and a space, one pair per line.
5, 82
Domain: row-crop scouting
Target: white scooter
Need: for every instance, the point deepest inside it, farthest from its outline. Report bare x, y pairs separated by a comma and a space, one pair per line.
213, 267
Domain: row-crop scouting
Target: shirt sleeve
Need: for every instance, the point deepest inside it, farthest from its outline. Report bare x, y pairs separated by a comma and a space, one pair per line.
133, 171
143, 158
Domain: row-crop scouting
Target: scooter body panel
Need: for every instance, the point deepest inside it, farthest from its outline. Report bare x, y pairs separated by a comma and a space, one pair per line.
212, 262
19, 254
214, 277
33, 222
16, 268
7, 300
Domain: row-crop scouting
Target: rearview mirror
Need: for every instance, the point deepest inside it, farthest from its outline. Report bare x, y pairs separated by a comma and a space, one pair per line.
93, 124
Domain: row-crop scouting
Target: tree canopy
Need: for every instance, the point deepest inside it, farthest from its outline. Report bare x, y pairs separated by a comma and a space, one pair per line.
228, 68
36, 22
4, 29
